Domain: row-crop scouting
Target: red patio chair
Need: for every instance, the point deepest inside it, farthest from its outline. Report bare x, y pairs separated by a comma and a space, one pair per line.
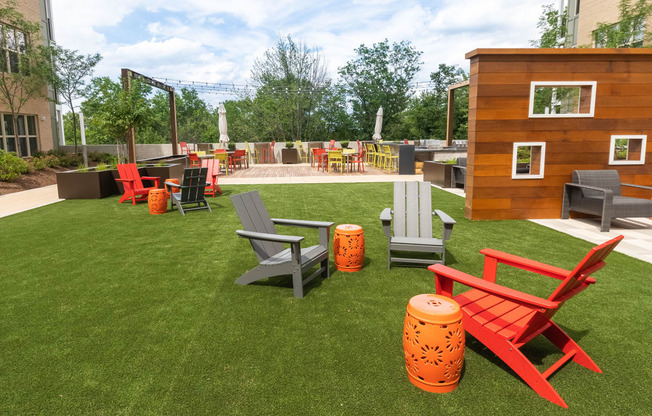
239, 157
184, 148
132, 183
359, 159
194, 160
504, 319
213, 166
331, 146
320, 156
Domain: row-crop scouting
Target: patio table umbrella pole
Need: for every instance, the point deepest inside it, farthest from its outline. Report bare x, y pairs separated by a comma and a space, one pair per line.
379, 125
224, 138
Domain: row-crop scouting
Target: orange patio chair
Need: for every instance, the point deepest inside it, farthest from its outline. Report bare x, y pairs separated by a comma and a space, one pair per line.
331, 146
132, 183
504, 319
213, 167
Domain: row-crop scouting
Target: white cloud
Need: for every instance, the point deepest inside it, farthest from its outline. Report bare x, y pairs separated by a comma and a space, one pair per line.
218, 41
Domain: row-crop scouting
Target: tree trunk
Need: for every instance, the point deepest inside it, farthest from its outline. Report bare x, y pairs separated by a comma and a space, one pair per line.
74, 128
15, 123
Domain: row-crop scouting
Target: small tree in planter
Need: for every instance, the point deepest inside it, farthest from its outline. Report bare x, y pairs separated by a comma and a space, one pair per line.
289, 154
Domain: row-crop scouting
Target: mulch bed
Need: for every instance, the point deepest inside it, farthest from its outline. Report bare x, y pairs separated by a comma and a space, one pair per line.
36, 179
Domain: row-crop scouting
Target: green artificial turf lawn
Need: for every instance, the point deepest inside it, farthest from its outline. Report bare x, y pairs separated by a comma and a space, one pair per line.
105, 309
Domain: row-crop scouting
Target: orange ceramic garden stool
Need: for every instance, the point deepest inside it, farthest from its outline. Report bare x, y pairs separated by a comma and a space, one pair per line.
433, 343
157, 201
348, 247
173, 189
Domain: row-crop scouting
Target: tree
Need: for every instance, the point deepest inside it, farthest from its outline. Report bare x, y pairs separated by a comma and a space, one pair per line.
27, 69
71, 71
427, 114
629, 31
111, 110
291, 78
553, 27
379, 76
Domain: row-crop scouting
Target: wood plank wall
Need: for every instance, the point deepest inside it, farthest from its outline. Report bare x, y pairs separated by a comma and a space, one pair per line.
498, 116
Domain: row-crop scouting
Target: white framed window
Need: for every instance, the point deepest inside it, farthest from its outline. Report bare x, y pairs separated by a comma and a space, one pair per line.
627, 149
27, 134
559, 99
528, 160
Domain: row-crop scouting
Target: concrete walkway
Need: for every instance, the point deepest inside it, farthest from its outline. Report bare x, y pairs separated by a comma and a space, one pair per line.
637, 231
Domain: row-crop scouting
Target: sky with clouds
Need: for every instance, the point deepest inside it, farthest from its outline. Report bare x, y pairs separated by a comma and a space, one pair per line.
218, 40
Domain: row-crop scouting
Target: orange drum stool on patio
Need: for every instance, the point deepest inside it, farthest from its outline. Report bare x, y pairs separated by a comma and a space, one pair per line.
157, 200
173, 189
433, 343
348, 247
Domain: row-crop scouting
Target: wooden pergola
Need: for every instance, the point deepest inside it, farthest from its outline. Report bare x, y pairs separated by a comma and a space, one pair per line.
127, 76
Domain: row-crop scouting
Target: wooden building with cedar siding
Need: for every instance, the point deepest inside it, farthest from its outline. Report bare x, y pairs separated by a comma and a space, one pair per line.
535, 115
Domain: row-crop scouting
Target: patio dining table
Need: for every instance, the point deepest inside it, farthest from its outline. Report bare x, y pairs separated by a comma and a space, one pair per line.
347, 154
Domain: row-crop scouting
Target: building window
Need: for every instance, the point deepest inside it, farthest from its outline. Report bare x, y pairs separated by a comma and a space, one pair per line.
13, 44
528, 160
562, 99
27, 134
627, 149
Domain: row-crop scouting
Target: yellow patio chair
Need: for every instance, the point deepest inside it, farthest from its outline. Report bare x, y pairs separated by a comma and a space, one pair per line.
335, 157
302, 150
223, 157
391, 159
252, 154
380, 157
371, 154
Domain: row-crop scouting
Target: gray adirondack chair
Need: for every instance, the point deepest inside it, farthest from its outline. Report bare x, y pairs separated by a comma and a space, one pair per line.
192, 191
273, 258
413, 224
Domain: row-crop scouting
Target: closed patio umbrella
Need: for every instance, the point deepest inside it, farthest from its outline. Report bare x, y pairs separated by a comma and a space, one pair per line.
379, 124
224, 138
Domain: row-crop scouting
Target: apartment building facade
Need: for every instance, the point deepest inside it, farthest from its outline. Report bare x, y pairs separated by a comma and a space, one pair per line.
585, 15
38, 126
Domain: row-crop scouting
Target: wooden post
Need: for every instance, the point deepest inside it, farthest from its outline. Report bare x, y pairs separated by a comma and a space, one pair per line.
450, 114
450, 117
173, 123
131, 140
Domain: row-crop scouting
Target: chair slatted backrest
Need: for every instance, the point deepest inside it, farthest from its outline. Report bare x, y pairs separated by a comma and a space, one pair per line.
130, 171
593, 262
254, 217
412, 210
213, 167
194, 185
184, 148
571, 285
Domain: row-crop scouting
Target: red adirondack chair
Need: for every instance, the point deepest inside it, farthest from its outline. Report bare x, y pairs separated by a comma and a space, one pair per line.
133, 183
505, 319
213, 166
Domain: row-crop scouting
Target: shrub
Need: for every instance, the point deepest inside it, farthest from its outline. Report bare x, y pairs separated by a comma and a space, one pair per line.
39, 163
100, 157
11, 166
70, 160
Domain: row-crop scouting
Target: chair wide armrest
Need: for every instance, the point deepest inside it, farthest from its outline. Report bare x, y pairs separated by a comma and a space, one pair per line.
492, 256
607, 192
303, 223
445, 276
269, 237
386, 218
